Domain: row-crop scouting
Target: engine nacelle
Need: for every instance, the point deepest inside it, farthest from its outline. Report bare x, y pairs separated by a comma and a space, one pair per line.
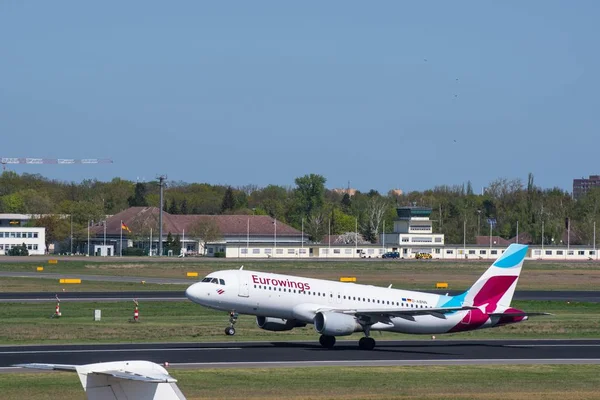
278, 324
336, 324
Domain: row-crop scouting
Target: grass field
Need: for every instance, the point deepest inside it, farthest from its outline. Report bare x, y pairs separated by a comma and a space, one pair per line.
573, 382
27, 323
536, 275
53, 286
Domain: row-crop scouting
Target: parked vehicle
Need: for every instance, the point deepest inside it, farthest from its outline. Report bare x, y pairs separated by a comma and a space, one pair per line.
423, 256
391, 254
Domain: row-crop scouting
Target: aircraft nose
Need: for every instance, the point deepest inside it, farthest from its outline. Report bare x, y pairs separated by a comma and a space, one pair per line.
192, 293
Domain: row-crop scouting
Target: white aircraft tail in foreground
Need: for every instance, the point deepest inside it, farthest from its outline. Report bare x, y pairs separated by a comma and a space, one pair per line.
121, 380
284, 302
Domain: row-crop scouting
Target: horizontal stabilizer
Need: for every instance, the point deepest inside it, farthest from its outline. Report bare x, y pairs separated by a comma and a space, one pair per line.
519, 314
50, 367
151, 378
121, 380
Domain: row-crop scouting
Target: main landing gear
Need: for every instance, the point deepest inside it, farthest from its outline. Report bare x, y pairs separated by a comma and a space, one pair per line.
366, 343
230, 330
327, 341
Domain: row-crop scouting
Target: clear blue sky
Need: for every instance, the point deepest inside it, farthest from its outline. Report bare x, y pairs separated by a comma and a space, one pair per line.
388, 94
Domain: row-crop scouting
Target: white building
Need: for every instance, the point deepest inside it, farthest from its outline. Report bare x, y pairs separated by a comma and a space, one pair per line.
33, 238
413, 233
13, 232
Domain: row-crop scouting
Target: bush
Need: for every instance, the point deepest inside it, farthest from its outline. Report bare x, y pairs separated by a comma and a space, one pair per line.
134, 251
220, 254
18, 251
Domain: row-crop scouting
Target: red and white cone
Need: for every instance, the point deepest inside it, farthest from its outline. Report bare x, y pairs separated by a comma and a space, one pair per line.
57, 311
136, 313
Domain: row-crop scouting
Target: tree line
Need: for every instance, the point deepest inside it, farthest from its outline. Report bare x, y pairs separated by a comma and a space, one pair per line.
457, 211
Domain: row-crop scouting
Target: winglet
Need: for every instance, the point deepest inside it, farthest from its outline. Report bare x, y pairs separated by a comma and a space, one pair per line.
241, 268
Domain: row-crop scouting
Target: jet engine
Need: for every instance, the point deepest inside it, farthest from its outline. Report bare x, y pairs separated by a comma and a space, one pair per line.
336, 324
278, 324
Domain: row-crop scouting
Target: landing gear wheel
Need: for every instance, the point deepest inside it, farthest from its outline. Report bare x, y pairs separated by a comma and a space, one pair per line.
327, 341
230, 331
366, 343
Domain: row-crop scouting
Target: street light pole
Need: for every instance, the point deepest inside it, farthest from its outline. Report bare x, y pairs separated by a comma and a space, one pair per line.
161, 180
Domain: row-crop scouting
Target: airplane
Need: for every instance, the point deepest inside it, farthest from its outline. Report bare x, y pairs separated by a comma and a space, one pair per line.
283, 302
120, 380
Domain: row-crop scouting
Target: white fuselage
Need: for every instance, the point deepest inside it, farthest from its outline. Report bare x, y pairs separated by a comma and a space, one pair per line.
292, 297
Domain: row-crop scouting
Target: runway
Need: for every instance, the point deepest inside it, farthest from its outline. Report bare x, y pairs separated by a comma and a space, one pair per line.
179, 295
310, 353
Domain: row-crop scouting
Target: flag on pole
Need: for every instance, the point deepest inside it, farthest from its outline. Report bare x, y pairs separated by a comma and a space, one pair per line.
125, 227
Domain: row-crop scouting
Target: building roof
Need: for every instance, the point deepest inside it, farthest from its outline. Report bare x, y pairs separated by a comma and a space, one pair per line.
142, 219
15, 216
524, 238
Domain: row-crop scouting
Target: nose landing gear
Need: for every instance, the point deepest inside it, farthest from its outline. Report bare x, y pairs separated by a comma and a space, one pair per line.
230, 330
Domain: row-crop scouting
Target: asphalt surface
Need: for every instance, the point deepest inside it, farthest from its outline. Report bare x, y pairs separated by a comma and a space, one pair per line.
304, 353
179, 295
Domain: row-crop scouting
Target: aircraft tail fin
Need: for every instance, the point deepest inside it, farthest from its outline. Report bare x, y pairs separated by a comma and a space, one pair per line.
496, 287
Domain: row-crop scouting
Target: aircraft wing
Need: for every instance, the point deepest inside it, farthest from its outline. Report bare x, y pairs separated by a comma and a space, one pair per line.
383, 315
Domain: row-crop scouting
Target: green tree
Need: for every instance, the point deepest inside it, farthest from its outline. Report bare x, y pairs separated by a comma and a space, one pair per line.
139, 197
346, 202
469, 188
310, 192
228, 202
57, 229
177, 245
205, 230
184, 207
173, 210
169, 243
13, 203
19, 251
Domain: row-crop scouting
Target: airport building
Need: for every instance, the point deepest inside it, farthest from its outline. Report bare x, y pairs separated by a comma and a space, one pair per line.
257, 236
14, 232
583, 185
413, 233
261, 237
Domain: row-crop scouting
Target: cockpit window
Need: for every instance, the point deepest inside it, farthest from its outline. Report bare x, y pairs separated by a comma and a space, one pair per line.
214, 280
206, 279
221, 281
